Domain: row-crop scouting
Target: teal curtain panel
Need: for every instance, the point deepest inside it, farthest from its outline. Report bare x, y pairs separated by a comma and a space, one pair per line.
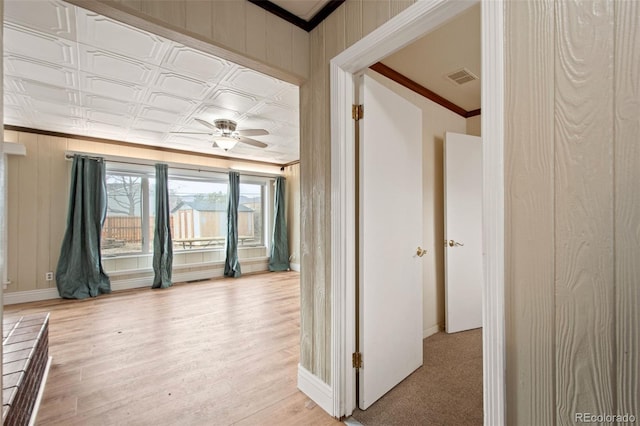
279, 256
162, 245
79, 273
232, 264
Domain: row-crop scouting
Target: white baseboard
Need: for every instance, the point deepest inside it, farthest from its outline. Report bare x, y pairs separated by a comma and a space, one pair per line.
294, 267
178, 276
319, 392
30, 296
431, 330
131, 283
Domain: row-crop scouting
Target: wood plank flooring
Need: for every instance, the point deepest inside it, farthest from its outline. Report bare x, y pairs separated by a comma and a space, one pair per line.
216, 352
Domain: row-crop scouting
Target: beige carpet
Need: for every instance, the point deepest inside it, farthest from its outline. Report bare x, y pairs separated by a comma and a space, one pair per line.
446, 390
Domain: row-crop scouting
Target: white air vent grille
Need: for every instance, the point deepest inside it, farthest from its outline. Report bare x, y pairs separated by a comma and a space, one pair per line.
461, 76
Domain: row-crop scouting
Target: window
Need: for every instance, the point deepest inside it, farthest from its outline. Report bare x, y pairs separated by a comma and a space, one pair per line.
251, 215
198, 208
198, 213
127, 228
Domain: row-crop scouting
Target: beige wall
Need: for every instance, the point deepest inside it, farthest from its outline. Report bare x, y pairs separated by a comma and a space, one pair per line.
235, 30
349, 23
572, 173
292, 190
38, 186
436, 120
474, 125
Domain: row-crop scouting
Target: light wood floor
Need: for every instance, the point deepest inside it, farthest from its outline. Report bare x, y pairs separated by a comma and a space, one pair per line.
209, 353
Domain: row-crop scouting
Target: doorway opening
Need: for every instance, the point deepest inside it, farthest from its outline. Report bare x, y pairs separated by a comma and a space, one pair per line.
417, 20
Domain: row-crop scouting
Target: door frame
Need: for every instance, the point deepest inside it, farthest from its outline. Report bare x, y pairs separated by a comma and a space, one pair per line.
406, 27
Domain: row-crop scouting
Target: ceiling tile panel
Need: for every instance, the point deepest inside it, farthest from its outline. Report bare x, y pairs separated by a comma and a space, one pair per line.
53, 17
11, 99
39, 71
170, 102
289, 97
188, 61
25, 42
160, 114
108, 117
16, 115
277, 112
210, 113
58, 122
234, 100
109, 104
36, 106
256, 122
153, 125
114, 66
44, 91
200, 140
98, 31
110, 88
181, 85
250, 81
105, 130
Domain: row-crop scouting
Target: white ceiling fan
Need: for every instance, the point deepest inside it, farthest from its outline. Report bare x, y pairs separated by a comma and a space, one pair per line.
226, 135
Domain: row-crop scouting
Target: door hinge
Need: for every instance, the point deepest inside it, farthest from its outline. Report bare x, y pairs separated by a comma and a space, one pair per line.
356, 359
357, 112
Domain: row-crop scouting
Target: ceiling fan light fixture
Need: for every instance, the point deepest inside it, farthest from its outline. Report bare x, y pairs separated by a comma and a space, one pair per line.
225, 142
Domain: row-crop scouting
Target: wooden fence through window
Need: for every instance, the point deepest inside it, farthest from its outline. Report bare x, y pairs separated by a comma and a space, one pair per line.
128, 229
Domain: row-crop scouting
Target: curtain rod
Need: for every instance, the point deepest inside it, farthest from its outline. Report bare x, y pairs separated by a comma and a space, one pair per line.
123, 160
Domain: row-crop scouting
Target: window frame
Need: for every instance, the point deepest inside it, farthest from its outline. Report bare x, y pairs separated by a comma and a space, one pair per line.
147, 172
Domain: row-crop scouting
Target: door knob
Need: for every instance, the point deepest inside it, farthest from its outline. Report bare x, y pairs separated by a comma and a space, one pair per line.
454, 243
420, 251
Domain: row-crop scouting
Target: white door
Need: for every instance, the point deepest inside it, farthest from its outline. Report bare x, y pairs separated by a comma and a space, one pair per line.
463, 232
390, 279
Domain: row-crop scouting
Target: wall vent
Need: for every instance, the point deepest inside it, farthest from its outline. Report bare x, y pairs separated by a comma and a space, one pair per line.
461, 76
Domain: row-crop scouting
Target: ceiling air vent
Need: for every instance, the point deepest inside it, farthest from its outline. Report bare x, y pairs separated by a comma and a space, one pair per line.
461, 76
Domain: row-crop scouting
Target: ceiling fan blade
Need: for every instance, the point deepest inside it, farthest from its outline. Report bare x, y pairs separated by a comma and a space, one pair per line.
252, 142
206, 124
252, 132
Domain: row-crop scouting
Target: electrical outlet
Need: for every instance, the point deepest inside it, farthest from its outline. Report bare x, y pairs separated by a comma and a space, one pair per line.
48, 276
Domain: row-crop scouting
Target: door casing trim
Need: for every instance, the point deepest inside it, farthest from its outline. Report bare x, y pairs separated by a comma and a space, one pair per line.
415, 21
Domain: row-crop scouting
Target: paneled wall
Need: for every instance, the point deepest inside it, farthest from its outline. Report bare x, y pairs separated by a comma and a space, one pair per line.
349, 23
247, 34
38, 186
572, 209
